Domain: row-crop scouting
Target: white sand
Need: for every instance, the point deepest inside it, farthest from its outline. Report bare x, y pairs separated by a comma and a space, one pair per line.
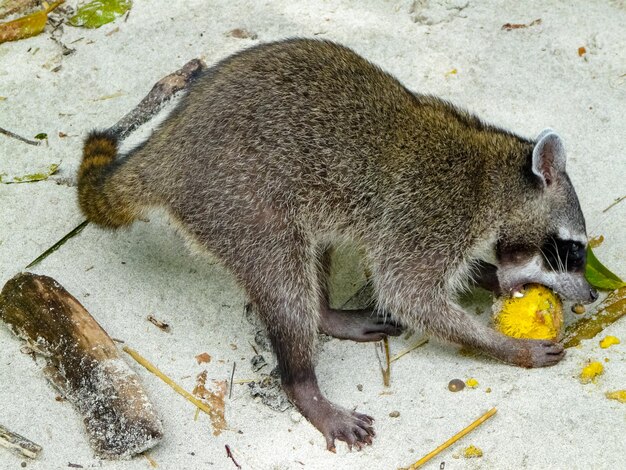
525, 80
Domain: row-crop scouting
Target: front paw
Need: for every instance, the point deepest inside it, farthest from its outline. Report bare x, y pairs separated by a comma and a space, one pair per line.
537, 353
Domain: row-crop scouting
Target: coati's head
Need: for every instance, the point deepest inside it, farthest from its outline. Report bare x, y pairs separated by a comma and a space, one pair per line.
545, 239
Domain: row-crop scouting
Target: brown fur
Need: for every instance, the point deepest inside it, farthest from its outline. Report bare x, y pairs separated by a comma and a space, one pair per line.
284, 149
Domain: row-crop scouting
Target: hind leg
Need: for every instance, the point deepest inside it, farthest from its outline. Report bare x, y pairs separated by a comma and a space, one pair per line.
279, 275
356, 325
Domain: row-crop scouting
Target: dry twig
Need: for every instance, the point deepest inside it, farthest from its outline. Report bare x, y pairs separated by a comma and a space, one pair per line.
454, 438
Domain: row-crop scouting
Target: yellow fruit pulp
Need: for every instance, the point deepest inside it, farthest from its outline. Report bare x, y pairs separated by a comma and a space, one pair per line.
535, 313
591, 371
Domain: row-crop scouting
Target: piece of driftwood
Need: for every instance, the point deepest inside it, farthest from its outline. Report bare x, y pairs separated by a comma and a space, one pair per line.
83, 363
18, 444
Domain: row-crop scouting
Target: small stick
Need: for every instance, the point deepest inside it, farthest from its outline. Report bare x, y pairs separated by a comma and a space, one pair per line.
150, 460
417, 344
386, 371
19, 137
177, 388
615, 203
75, 231
229, 454
232, 376
454, 438
18, 444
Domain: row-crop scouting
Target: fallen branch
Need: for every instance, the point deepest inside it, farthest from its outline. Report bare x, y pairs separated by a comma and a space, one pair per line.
454, 438
18, 444
83, 363
19, 137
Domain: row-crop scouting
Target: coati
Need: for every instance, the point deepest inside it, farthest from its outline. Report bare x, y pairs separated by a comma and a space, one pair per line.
285, 149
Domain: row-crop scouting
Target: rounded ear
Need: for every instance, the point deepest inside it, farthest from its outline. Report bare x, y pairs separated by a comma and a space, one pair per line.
548, 157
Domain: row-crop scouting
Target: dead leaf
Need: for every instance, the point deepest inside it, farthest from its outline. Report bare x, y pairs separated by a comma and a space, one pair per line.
27, 26
203, 358
215, 400
581, 51
512, 26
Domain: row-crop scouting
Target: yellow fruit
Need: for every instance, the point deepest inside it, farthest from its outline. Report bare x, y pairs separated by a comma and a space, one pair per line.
619, 395
591, 371
472, 452
609, 341
533, 313
471, 383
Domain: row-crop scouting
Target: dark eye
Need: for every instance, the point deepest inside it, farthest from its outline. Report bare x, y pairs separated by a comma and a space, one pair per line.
564, 255
576, 255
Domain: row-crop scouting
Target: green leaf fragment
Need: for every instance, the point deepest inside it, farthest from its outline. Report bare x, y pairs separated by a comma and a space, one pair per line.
599, 276
98, 12
52, 169
41, 136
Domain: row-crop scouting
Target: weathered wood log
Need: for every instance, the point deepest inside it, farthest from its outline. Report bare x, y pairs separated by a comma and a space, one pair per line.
83, 363
18, 444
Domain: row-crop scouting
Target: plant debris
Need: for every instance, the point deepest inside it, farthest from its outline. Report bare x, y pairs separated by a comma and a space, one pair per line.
385, 370
27, 26
203, 358
177, 388
619, 395
591, 372
471, 382
599, 275
240, 33
582, 51
617, 200
512, 26
415, 345
595, 242
454, 438
229, 454
612, 309
32, 177
18, 444
99, 12
160, 325
609, 341
472, 452
19, 137
215, 399
75, 231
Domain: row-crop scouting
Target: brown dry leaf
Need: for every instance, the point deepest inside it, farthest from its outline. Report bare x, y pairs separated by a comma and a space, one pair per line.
203, 358
27, 26
581, 51
240, 33
214, 398
512, 26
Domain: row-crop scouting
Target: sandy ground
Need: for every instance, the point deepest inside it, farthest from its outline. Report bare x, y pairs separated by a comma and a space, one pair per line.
525, 80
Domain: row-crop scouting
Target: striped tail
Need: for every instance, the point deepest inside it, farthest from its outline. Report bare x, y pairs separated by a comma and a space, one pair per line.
104, 200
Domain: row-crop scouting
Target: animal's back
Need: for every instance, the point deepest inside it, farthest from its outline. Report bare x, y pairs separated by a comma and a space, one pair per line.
311, 129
